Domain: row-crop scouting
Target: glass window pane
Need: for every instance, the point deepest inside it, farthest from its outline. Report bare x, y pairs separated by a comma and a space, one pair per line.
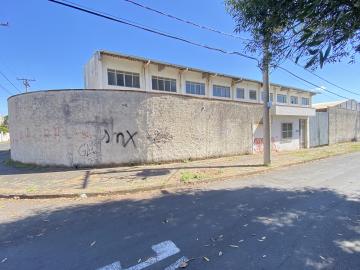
167, 85
120, 79
173, 86
154, 83
136, 81
188, 86
161, 84
202, 89
197, 89
111, 77
128, 80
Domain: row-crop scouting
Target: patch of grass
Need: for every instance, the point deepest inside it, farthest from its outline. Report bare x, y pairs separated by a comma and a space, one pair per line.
188, 176
31, 189
17, 164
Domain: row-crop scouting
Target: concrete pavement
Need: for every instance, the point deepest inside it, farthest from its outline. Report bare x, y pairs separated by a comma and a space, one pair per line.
303, 217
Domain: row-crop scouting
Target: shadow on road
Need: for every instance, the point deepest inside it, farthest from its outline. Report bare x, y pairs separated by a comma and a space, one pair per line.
253, 228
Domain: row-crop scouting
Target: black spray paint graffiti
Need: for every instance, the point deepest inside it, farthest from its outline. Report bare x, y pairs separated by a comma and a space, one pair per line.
124, 142
91, 148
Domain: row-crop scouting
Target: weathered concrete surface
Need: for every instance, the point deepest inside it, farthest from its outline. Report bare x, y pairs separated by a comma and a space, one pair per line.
344, 125
104, 127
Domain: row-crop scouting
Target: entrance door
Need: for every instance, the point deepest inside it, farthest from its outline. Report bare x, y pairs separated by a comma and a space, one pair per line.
302, 129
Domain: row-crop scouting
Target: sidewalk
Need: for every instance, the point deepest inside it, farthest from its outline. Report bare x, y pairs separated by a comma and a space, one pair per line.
32, 182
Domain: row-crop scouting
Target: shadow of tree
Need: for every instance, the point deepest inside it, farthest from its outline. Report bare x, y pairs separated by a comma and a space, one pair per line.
254, 228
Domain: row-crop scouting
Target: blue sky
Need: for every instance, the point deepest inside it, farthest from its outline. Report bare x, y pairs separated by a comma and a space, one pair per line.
51, 44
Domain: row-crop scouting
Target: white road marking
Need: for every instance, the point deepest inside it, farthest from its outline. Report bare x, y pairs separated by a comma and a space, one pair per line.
113, 266
177, 264
163, 250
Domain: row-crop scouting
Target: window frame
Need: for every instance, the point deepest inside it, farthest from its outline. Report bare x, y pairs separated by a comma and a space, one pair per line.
239, 90
118, 74
296, 99
162, 83
286, 133
281, 95
221, 88
253, 91
193, 88
307, 103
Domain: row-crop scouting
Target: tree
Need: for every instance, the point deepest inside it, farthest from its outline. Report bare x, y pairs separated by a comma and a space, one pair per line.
6, 121
327, 31
271, 25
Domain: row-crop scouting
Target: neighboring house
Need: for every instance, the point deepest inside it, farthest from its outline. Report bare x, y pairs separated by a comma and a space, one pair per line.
337, 121
291, 107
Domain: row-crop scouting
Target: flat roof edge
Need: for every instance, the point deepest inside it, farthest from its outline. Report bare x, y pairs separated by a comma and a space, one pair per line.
145, 60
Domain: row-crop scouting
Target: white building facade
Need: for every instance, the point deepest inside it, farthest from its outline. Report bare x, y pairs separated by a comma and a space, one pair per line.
290, 107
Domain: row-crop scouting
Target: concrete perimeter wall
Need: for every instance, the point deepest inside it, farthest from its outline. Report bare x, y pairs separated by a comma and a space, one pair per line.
344, 125
105, 127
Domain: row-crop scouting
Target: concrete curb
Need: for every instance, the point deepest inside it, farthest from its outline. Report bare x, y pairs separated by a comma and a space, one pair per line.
163, 186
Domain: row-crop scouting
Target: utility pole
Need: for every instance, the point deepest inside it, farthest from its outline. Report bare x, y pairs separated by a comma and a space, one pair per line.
267, 104
26, 82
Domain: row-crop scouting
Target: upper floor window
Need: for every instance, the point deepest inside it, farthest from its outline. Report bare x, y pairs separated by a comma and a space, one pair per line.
163, 84
263, 96
240, 93
294, 100
281, 98
195, 88
121, 78
252, 94
221, 91
305, 101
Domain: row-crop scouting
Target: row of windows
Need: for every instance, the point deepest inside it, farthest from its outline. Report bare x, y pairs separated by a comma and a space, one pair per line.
128, 79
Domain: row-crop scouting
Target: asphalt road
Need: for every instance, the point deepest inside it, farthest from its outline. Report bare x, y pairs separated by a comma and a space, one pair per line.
303, 217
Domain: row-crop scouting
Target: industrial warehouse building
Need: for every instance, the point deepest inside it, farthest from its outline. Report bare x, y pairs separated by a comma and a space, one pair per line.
291, 106
136, 110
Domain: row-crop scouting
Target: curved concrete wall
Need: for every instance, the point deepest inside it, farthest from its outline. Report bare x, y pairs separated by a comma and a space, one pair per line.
104, 127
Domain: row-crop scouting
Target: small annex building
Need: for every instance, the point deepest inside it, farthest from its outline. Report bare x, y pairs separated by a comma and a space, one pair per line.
335, 122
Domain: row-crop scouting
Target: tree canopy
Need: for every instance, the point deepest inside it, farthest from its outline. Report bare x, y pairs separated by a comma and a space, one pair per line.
328, 30
317, 31
270, 24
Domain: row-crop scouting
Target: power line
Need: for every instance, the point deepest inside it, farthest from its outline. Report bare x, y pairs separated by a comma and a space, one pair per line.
6, 90
326, 80
123, 21
9, 81
112, 18
313, 84
231, 35
203, 27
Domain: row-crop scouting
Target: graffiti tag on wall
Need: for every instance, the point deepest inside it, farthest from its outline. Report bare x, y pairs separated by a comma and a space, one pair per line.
259, 145
123, 138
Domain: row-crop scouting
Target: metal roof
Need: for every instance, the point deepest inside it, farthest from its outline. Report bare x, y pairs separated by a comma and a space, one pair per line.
147, 60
